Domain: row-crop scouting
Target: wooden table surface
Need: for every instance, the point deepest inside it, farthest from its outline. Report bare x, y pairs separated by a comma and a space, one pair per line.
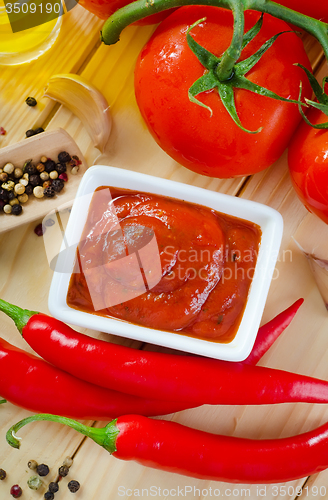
25, 278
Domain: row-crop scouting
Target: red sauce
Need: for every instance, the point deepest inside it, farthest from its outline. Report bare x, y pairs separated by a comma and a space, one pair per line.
164, 264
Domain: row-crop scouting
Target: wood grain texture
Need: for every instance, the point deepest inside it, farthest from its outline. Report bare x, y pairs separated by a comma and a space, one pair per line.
25, 278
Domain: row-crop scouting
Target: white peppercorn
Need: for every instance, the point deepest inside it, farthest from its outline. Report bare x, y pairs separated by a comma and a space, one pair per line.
9, 168
68, 462
18, 172
32, 464
75, 170
38, 192
24, 182
13, 202
7, 209
26, 176
43, 159
53, 174
22, 198
44, 176
19, 188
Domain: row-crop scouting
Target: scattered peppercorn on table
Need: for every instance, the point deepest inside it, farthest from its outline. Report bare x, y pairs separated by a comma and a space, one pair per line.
25, 278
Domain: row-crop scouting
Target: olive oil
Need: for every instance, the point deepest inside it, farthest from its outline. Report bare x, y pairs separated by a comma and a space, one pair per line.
26, 45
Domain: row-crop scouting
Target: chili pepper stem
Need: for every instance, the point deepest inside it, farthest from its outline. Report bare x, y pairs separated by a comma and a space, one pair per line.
139, 9
17, 314
104, 436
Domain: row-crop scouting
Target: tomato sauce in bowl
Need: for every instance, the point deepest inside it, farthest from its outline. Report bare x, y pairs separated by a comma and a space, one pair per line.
165, 264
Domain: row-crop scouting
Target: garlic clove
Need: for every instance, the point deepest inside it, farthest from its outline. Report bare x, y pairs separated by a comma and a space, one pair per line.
319, 269
311, 238
86, 102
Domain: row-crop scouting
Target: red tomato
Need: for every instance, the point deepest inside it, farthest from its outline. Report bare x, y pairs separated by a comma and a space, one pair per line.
214, 145
308, 164
316, 8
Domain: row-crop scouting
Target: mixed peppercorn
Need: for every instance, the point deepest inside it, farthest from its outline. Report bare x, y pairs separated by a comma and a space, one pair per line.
31, 101
35, 482
44, 179
34, 131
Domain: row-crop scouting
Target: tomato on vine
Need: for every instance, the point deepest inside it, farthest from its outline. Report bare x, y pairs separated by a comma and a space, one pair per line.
180, 62
105, 8
308, 154
316, 9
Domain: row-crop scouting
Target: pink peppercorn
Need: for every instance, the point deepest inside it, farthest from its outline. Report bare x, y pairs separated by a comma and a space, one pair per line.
2, 131
39, 230
63, 177
16, 491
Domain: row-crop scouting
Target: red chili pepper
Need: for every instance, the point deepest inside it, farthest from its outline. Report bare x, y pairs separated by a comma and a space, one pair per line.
269, 332
156, 375
33, 384
173, 447
191, 379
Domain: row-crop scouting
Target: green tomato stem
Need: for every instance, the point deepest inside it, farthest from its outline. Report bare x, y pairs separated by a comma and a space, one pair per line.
139, 9
224, 70
105, 436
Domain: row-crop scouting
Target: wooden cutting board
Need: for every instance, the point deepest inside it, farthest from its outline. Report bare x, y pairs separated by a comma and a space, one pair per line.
25, 278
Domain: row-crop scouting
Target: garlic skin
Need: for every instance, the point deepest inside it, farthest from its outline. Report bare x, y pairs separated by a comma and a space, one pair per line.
319, 269
86, 102
311, 238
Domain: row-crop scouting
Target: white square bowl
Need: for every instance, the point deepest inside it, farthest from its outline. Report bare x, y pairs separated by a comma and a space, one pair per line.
269, 220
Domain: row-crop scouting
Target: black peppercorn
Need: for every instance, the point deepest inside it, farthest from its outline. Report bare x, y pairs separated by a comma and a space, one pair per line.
63, 470
61, 168
3, 474
49, 495
31, 101
3, 195
39, 130
73, 486
49, 192
30, 132
11, 195
49, 166
42, 470
57, 185
17, 209
53, 487
30, 169
35, 180
2, 204
64, 157
29, 189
